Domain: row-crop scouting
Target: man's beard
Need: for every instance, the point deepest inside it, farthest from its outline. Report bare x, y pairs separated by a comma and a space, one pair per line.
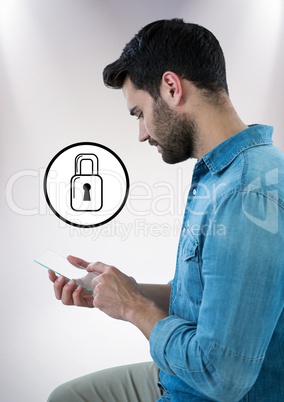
176, 133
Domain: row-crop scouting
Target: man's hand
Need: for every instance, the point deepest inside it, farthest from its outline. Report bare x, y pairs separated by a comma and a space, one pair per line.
118, 295
115, 293
68, 291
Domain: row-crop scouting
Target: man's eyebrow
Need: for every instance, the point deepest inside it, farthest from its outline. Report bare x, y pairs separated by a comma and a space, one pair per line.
132, 111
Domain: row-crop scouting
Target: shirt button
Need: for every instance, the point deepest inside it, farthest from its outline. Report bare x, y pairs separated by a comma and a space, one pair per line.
194, 191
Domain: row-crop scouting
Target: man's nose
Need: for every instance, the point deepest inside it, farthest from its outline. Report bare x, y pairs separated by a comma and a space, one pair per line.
143, 133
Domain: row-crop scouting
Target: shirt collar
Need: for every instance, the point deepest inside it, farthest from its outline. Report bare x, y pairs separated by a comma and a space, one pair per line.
224, 154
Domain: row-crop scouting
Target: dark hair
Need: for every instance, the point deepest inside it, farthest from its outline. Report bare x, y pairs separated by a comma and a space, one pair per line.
189, 50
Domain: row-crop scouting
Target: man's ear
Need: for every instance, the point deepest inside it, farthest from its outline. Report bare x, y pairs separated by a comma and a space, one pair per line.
171, 89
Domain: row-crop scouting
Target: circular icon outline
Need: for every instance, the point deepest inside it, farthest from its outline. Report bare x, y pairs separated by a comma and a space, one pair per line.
46, 178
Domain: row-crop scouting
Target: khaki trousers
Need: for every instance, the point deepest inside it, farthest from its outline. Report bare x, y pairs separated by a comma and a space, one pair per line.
131, 383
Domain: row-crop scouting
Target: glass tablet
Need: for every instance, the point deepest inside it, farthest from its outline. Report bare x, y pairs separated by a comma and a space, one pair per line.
61, 266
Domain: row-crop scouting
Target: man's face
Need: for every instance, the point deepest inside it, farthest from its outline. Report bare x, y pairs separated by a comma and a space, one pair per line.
172, 133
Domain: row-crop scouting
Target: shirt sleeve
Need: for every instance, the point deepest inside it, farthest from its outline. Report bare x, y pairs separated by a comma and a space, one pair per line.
243, 286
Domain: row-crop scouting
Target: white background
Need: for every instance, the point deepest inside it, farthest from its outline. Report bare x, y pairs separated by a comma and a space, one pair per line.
52, 53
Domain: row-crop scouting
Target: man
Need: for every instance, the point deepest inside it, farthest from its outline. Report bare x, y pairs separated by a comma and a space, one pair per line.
216, 331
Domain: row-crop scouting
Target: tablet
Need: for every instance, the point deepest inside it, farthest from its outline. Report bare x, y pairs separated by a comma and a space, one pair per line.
61, 266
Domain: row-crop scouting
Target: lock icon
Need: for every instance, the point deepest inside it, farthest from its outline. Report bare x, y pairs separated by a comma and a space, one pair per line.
86, 185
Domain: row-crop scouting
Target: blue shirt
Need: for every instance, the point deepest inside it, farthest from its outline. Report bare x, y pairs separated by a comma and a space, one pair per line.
224, 337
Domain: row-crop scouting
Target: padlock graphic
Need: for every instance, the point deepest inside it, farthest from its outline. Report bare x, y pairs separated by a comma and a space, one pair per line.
86, 193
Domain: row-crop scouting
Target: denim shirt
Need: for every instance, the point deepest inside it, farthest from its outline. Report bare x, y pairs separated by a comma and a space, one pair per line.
224, 337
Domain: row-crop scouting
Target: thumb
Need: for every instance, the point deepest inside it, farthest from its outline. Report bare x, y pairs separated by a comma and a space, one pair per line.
77, 262
97, 267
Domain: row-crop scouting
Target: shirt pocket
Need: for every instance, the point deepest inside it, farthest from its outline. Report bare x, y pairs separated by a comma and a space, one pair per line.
190, 271
187, 284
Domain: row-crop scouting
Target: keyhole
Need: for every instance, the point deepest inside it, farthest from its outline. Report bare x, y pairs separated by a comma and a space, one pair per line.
87, 188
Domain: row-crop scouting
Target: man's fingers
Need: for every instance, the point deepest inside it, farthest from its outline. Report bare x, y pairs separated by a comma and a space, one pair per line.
67, 292
52, 276
98, 267
77, 262
77, 296
59, 284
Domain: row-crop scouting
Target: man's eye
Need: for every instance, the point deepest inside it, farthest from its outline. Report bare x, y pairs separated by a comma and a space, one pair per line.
140, 115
